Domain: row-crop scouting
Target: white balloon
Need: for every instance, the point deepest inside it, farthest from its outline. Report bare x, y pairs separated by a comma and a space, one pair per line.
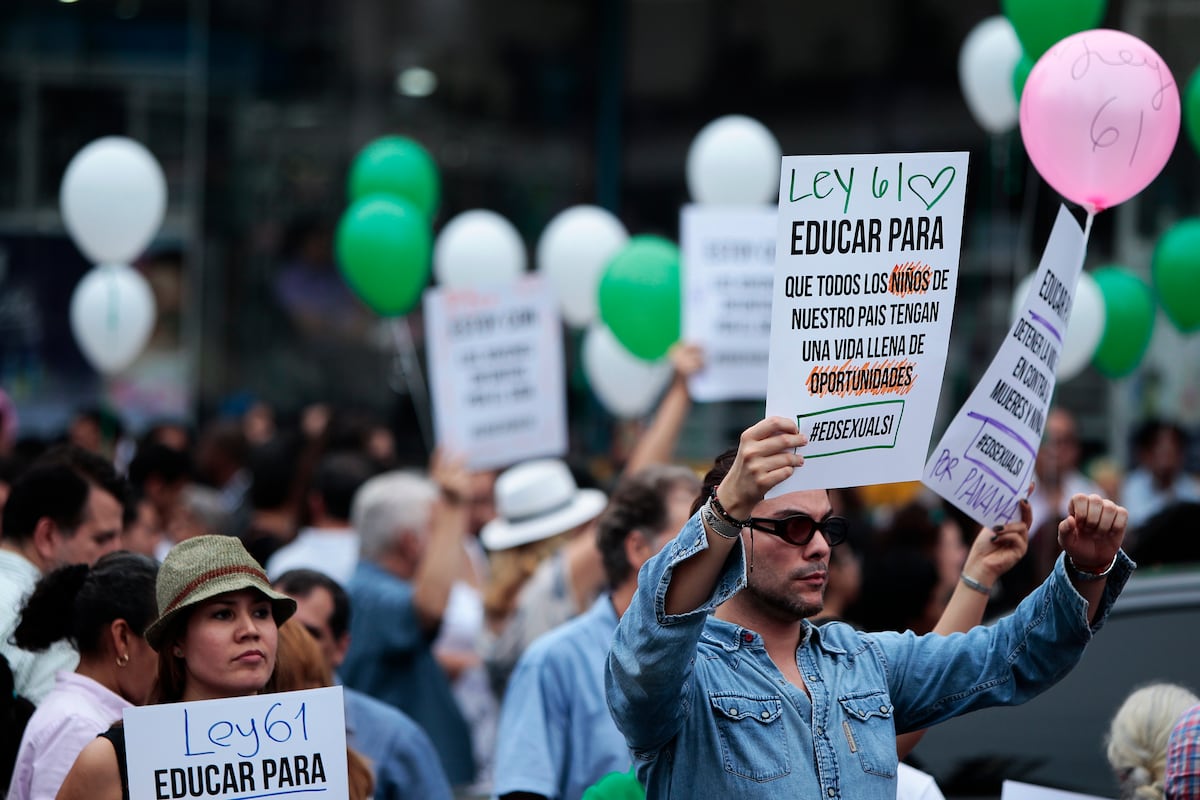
478, 248
1084, 329
986, 62
573, 252
734, 160
112, 316
113, 197
626, 385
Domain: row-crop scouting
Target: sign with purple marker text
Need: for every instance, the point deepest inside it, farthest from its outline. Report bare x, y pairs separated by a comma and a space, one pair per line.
496, 372
984, 462
728, 257
288, 744
865, 274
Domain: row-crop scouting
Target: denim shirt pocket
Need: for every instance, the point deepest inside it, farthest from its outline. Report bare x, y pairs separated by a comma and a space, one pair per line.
870, 731
753, 735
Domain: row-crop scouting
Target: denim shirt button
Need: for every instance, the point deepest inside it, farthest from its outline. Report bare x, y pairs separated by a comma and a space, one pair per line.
765, 714
883, 709
831, 791
812, 677
820, 731
733, 711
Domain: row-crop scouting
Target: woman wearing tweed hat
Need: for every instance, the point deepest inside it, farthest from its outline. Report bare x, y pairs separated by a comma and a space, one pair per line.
216, 636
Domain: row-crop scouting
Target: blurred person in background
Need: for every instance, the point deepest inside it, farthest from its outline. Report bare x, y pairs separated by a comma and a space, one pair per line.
160, 473
299, 665
1182, 775
330, 542
273, 497
1136, 742
556, 737
142, 532
66, 509
545, 567
202, 510
103, 612
1159, 479
411, 529
95, 430
459, 644
221, 454
8, 425
1057, 471
402, 758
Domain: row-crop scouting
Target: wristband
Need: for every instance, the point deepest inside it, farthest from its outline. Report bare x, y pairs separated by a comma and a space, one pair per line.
971, 583
1083, 575
717, 525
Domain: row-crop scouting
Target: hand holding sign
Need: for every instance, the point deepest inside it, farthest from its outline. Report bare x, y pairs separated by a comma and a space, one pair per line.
1099, 117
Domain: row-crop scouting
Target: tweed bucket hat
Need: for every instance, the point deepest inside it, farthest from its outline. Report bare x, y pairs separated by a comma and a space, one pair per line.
202, 567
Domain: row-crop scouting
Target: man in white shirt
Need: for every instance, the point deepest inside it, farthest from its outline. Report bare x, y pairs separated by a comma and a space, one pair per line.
329, 544
66, 509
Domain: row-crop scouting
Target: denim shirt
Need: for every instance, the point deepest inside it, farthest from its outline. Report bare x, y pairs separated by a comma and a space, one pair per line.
708, 715
556, 737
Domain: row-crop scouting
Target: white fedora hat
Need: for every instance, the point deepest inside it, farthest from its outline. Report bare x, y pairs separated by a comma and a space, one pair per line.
537, 500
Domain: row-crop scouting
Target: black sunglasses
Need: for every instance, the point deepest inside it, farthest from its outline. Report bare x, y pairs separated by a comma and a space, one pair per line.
798, 529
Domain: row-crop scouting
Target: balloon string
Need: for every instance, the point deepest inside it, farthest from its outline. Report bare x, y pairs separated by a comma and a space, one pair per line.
1087, 228
414, 380
114, 303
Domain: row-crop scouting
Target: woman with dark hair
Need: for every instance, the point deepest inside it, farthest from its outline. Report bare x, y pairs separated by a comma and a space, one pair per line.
216, 636
102, 611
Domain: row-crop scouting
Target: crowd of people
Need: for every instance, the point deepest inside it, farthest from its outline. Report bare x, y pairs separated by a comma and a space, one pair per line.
534, 632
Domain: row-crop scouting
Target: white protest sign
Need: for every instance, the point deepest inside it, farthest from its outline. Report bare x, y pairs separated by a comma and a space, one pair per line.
1015, 790
865, 275
268, 745
496, 372
728, 256
984, 461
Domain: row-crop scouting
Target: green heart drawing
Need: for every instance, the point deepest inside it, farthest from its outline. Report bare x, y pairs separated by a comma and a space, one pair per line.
932, 186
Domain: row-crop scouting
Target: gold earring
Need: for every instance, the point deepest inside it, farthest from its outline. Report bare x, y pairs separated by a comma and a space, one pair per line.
123, 659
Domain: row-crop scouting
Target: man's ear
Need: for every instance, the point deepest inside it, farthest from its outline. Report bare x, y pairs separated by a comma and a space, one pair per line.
637, 549
46, 537
341, 646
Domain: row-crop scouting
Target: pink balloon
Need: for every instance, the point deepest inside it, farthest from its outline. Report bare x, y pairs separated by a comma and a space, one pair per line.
1099, 117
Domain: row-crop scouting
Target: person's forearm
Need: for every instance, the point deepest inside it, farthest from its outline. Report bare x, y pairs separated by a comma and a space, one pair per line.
440, 565
657, 444
694, 580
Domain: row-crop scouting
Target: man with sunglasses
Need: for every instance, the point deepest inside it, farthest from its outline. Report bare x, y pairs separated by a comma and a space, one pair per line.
723, 688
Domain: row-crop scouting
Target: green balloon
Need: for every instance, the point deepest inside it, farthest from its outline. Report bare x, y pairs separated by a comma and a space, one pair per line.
639, 296
1191, 109
383, 247
1042, 23
1129, 310
1020, 75
397, 166
1175, 270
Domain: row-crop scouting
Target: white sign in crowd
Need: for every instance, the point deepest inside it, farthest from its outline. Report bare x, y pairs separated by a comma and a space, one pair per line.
984, 461
270, 745
496, 372
863, 299
728, 257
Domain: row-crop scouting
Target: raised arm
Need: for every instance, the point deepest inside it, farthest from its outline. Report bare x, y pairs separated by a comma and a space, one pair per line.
442, 561
657, 444
766, 457
651, 661
1091, 537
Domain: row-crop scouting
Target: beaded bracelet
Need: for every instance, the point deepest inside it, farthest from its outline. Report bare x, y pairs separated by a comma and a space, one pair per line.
723, 514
